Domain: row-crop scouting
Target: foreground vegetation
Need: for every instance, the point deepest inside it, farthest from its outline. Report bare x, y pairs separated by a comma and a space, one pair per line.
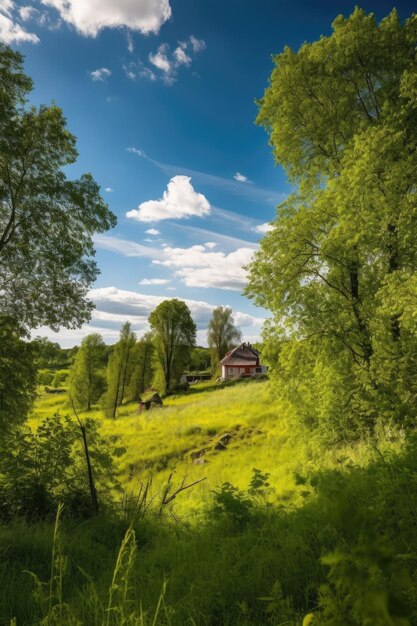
327, 531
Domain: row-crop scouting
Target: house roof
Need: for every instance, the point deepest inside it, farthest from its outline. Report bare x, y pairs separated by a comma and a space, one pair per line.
243, 354
231, 362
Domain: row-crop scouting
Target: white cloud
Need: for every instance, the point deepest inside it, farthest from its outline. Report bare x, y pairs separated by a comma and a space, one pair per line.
115, 306
108, 190
153, 231
154, 281
89, 17
126, 247
264, 228
178, 201
210, 245
118, 305
168, 63
197, 44
181, 57
241, 178
136, 151
100, 74
130, 44
160, 59
199, 268
10, 31
251, 191
27, 13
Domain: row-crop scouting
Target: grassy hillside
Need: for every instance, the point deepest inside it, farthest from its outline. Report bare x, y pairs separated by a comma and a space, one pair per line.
330, 531
220, 433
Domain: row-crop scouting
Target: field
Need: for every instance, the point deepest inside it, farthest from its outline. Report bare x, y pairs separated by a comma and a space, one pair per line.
252, 551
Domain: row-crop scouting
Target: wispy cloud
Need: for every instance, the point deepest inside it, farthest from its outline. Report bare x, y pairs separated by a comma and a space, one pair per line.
154, 281
205, 233
241, 178
165, 62
251, 192
102, 73
126, 247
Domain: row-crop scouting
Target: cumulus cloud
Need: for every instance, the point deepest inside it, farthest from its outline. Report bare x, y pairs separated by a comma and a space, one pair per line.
180, 200
11, 32
154, 281
121, 305
153, 231
89, 17
210, 245
198, 267
108, 190
115, 306
100, 74
264, 228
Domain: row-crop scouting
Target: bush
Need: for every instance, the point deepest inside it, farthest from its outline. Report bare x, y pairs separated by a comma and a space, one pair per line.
43, 468
60, 378
45, 377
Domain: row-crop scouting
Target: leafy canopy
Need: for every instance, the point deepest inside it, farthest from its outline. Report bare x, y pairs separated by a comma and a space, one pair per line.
338, 271
47, 221
174, 334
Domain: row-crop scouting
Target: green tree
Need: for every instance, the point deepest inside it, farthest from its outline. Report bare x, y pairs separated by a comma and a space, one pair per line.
174, 334
200, 359
119, 370
48, 353
142, 371
338, 271
47, 221
18, 374
86, 380
222, 334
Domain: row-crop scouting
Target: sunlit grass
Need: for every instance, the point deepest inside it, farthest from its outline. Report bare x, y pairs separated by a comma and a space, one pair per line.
160, 442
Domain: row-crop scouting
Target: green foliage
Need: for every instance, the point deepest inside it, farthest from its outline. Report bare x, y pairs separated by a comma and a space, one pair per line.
17, 374
46, 220
60, 378
338, 270
174, 333
45, 377
142, 371
119, 369
86, 380
222, 335
48, 353
40, 469
199, 359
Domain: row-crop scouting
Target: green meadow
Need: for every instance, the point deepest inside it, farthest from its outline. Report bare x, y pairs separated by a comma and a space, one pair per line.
280, 545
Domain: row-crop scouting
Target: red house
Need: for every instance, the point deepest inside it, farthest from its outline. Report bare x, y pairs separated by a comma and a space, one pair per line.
241, 360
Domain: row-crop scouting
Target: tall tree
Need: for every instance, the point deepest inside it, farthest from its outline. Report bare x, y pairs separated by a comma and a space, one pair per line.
47, 221
118, 370
222, 334
86, 380
142, 371
174, 334
339, 269
17, 374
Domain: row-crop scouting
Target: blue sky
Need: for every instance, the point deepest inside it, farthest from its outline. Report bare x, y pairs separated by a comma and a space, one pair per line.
161, 96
